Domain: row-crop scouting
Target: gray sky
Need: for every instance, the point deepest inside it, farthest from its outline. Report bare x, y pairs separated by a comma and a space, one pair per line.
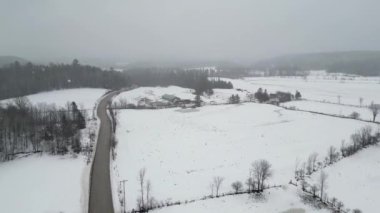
185, 29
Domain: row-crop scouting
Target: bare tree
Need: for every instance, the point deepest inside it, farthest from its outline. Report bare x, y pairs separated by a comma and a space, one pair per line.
148, 190
237, 186
141, 179
365, 136
304, 185
261, 170
339, 205
374, 108
361, 101
322, 182
296, 165
332, 154
311, 161
250, 183
212, 188
217, 182
314, 190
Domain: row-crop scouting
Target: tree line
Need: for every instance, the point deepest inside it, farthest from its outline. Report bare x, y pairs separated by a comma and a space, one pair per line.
259, 173
27, 128
194, 79
361, 139
18, 80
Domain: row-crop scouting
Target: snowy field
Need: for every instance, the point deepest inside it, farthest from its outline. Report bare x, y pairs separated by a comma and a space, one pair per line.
183, 149
84, 97
319, 88
315, 88
283, 200
156, 93
328, 108
36, 184
355, 180
46, 183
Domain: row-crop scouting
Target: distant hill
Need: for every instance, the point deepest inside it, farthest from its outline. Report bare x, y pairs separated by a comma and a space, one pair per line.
353, 62
6, 60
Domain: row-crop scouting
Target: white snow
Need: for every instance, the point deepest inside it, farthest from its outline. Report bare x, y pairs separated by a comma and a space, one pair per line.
84, 97
355, 180
315, 88
47, 183
283, 200
44, 183
156, 93
329, 108
183, 150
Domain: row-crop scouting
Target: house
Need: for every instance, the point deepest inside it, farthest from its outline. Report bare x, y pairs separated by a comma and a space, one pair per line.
280, 97
159, 105
186, 103
170, 98
144, 102
273, 100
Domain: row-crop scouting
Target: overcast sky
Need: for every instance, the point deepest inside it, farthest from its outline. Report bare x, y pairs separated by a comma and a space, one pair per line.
185, 29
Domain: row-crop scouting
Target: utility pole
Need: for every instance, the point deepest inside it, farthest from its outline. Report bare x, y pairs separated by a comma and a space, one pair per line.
124, 206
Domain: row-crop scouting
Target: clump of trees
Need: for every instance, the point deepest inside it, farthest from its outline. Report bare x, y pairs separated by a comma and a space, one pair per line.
259, 173
359, 140
234, 99
215, 185
26, 128
262, 95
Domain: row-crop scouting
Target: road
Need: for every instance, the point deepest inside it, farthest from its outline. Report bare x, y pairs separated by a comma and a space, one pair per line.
100, 186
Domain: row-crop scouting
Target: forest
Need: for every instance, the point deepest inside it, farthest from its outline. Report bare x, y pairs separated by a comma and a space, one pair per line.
18, 80
194, 79
27, 128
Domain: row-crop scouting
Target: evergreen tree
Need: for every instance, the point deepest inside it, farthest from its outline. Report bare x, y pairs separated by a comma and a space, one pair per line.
298, 95
198, 100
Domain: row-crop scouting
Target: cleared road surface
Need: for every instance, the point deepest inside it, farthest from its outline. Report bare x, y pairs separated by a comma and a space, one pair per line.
100, 188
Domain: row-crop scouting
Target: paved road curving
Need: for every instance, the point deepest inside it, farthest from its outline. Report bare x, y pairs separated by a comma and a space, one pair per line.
100, 186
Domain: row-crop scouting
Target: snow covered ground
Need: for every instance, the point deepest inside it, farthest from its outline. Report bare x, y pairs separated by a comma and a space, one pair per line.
84, 97
325, 88
44, 183
183, 149
329, 108
355, 180
283, 200
315, 88
156, 93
